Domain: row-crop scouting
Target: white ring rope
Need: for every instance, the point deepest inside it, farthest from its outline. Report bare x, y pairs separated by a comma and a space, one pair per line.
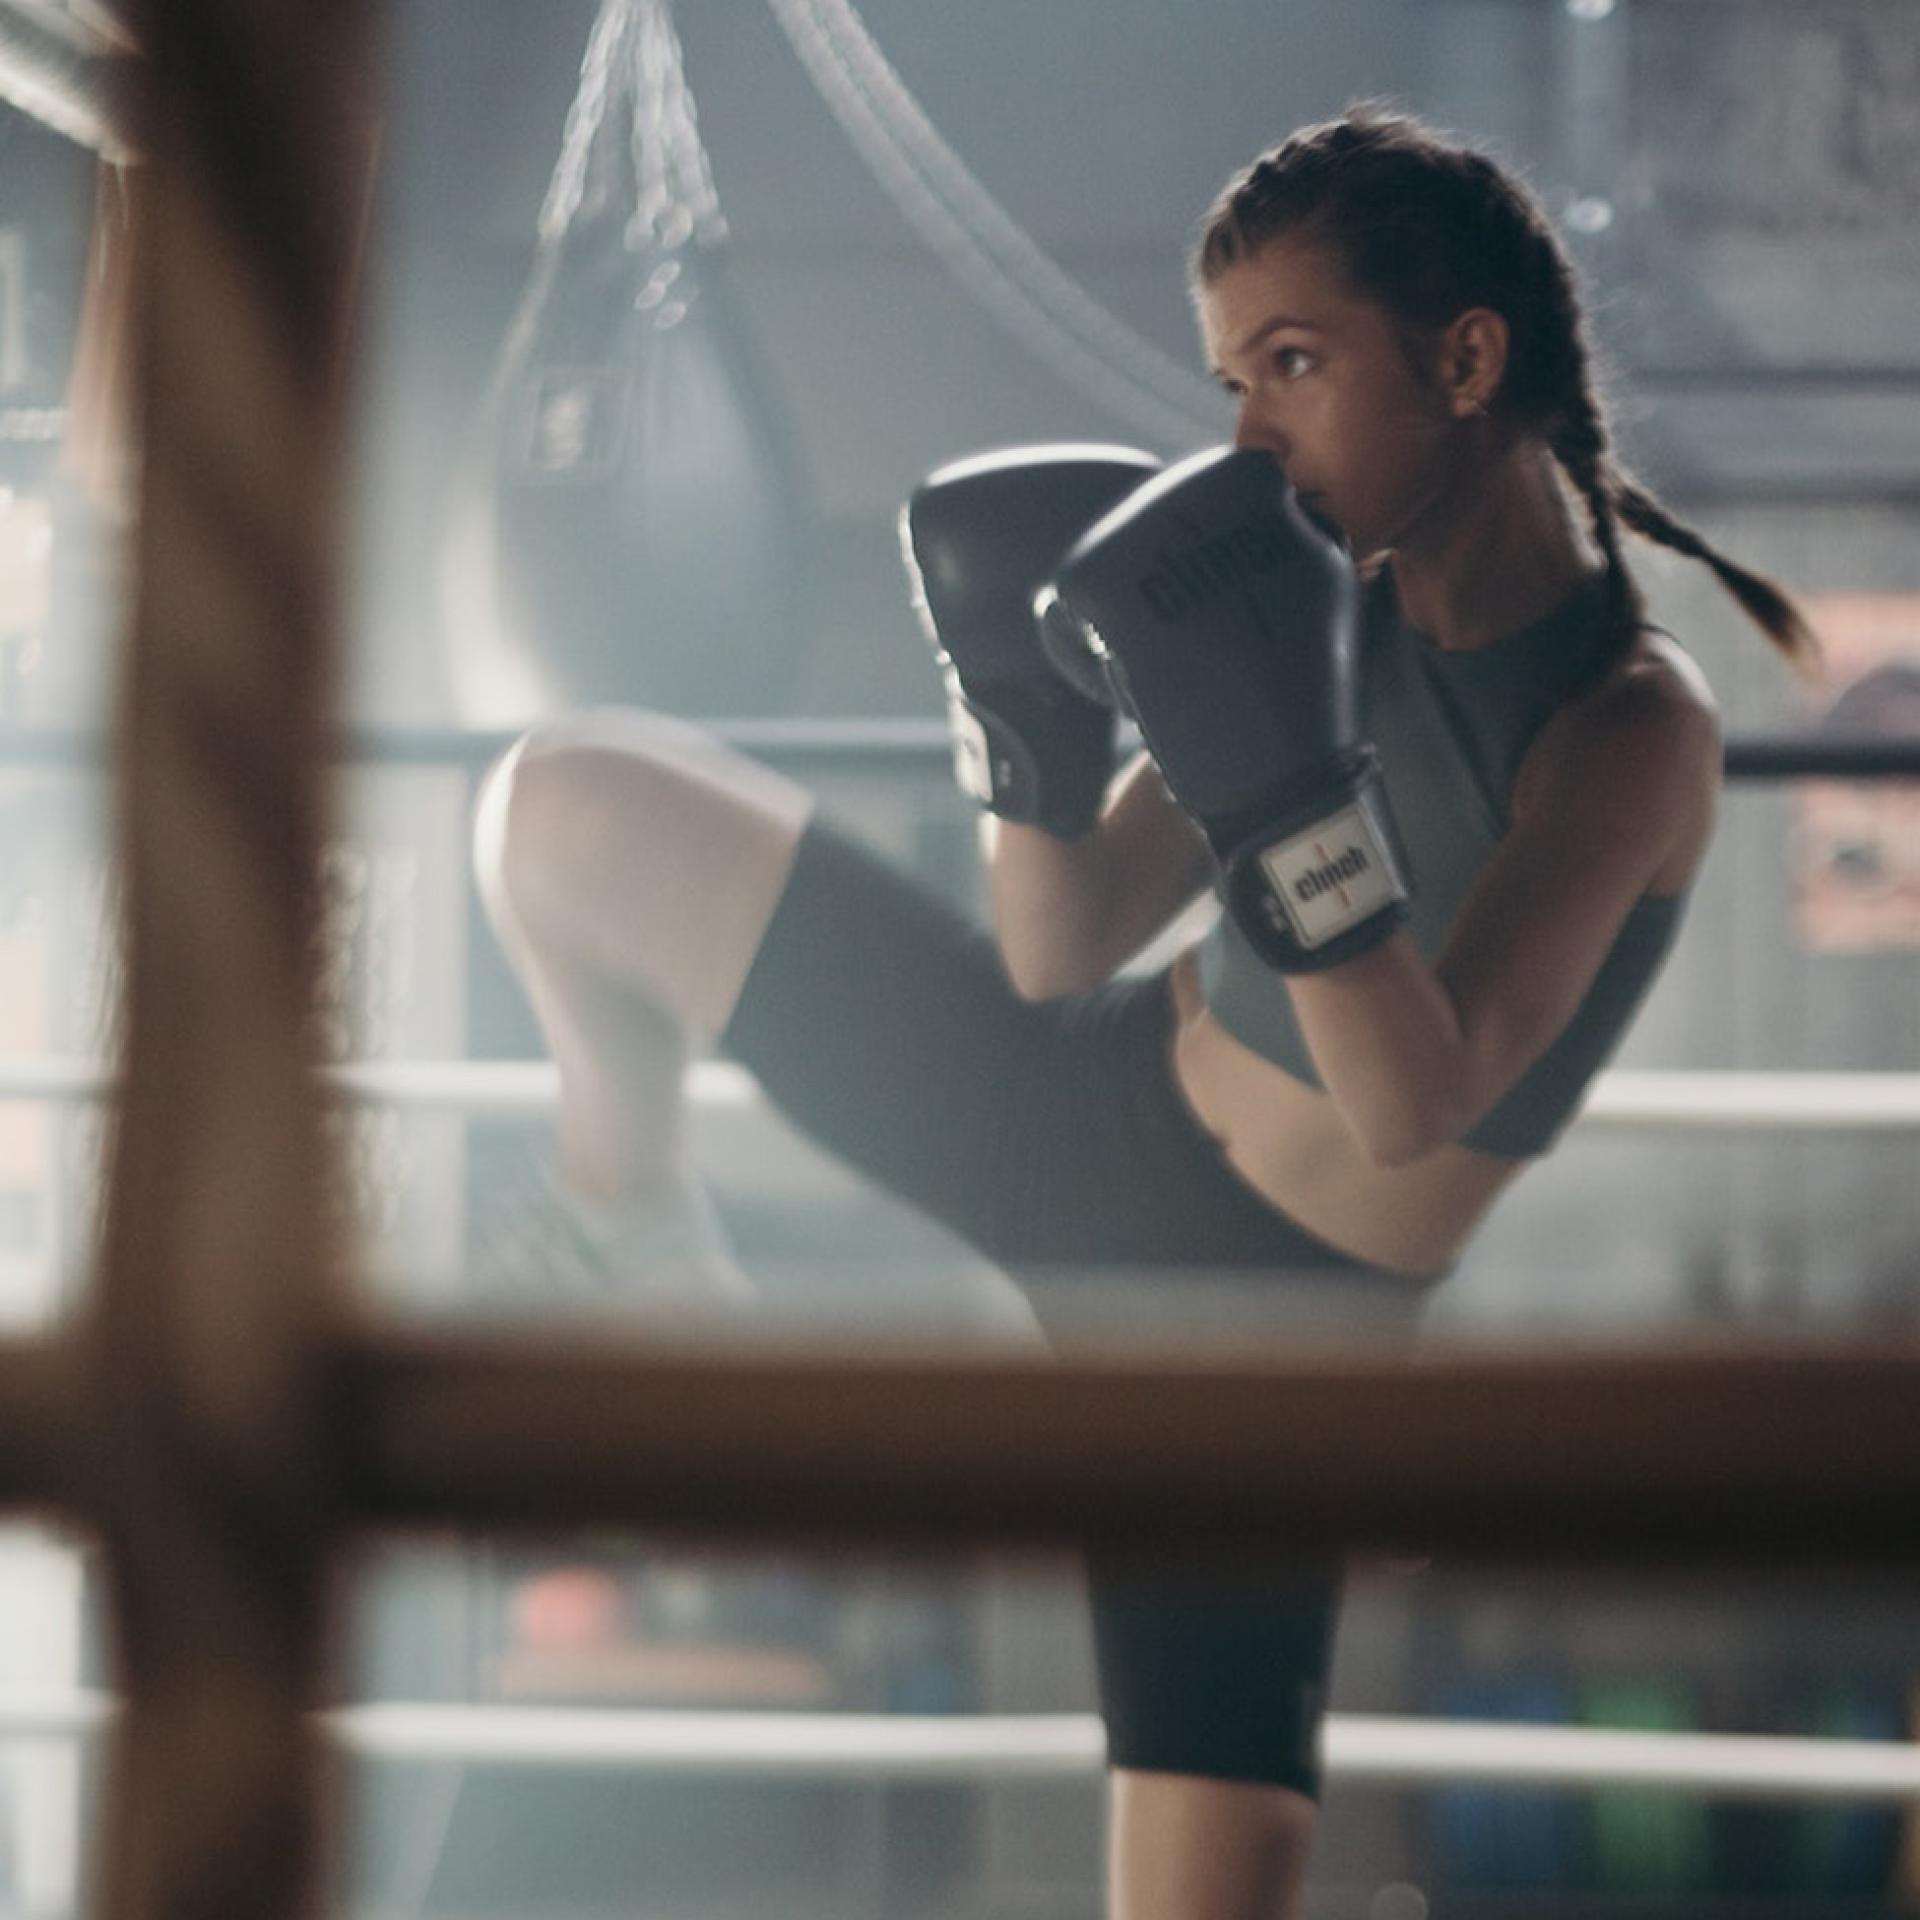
1381, 1749
1742, 1101
1756, 1101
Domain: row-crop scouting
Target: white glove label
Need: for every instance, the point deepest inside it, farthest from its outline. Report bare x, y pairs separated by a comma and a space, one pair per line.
972, 757
1333, 876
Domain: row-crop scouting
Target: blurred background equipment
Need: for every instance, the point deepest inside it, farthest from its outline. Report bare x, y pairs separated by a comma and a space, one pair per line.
635, 530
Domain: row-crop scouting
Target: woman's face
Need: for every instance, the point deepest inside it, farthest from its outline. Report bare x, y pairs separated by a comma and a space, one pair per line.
1323, 381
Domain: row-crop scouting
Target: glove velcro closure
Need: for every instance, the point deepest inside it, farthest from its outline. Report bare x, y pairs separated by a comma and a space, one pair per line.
1326, 880
1040, 755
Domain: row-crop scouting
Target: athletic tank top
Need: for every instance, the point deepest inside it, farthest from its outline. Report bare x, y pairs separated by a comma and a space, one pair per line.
1452, 729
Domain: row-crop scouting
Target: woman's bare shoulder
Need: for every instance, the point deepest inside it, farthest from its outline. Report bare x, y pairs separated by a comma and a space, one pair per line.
1658, 670
1653, 702
1643, 743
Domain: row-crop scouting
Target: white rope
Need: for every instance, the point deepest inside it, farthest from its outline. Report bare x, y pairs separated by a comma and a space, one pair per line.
1380, 1749
1644, 1100
1724, 1765
1756, 1102
779, 1745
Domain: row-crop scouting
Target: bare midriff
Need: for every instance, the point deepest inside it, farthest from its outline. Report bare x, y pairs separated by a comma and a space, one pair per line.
1286, 1140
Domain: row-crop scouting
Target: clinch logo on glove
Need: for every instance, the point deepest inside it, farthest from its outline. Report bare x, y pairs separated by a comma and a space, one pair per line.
1335, 874
1331, 877
1182, 582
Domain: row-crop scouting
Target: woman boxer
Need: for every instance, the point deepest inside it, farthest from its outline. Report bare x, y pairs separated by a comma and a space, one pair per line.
1386, 1024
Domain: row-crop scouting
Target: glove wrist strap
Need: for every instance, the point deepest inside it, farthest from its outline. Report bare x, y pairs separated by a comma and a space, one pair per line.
1326, 880
996, 764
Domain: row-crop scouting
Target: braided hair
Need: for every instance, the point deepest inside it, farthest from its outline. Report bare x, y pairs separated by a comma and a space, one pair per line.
1431, 229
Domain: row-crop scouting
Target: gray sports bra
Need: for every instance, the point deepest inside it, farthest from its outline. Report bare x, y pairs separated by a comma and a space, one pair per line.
1452, 729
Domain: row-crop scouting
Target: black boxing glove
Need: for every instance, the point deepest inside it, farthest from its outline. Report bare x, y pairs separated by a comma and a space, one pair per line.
1226, 619
1034, 740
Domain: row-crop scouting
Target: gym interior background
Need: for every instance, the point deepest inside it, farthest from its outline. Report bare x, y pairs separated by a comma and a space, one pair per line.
1739, 180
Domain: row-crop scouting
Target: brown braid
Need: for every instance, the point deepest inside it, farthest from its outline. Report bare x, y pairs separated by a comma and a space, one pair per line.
1576, 421
1581, 449
1614, 497
1431, 229
1767, 604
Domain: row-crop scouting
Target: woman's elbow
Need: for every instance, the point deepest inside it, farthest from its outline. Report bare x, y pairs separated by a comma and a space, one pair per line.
1391, 1146
1036, 977
1071, 953
1400, 1130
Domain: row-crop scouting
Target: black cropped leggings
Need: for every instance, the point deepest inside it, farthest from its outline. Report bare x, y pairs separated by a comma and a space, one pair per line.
1054, 1139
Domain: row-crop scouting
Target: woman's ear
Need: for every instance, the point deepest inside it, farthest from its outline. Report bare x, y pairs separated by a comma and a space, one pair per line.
1473, 360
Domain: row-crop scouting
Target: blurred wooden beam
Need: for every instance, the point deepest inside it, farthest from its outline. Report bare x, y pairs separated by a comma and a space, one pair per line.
1753, 1453
210, 1337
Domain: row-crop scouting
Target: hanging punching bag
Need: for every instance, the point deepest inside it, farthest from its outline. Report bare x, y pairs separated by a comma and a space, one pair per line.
634, 530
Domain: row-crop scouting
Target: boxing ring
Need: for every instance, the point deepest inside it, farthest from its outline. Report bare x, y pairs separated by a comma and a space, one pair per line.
226, 1418
1418, 1753
1745, 1101
908, 1749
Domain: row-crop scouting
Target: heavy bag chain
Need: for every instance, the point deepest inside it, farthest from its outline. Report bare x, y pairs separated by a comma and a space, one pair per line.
633, 61
633, 533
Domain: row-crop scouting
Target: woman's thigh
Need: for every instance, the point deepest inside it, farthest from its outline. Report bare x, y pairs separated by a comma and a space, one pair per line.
638, 851
877, 1018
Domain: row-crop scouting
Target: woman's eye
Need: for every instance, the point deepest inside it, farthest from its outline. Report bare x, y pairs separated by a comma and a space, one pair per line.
1291, 362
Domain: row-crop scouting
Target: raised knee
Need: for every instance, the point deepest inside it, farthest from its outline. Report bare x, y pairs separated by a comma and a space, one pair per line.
635, 731
591, 820
536, 815
571, 787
